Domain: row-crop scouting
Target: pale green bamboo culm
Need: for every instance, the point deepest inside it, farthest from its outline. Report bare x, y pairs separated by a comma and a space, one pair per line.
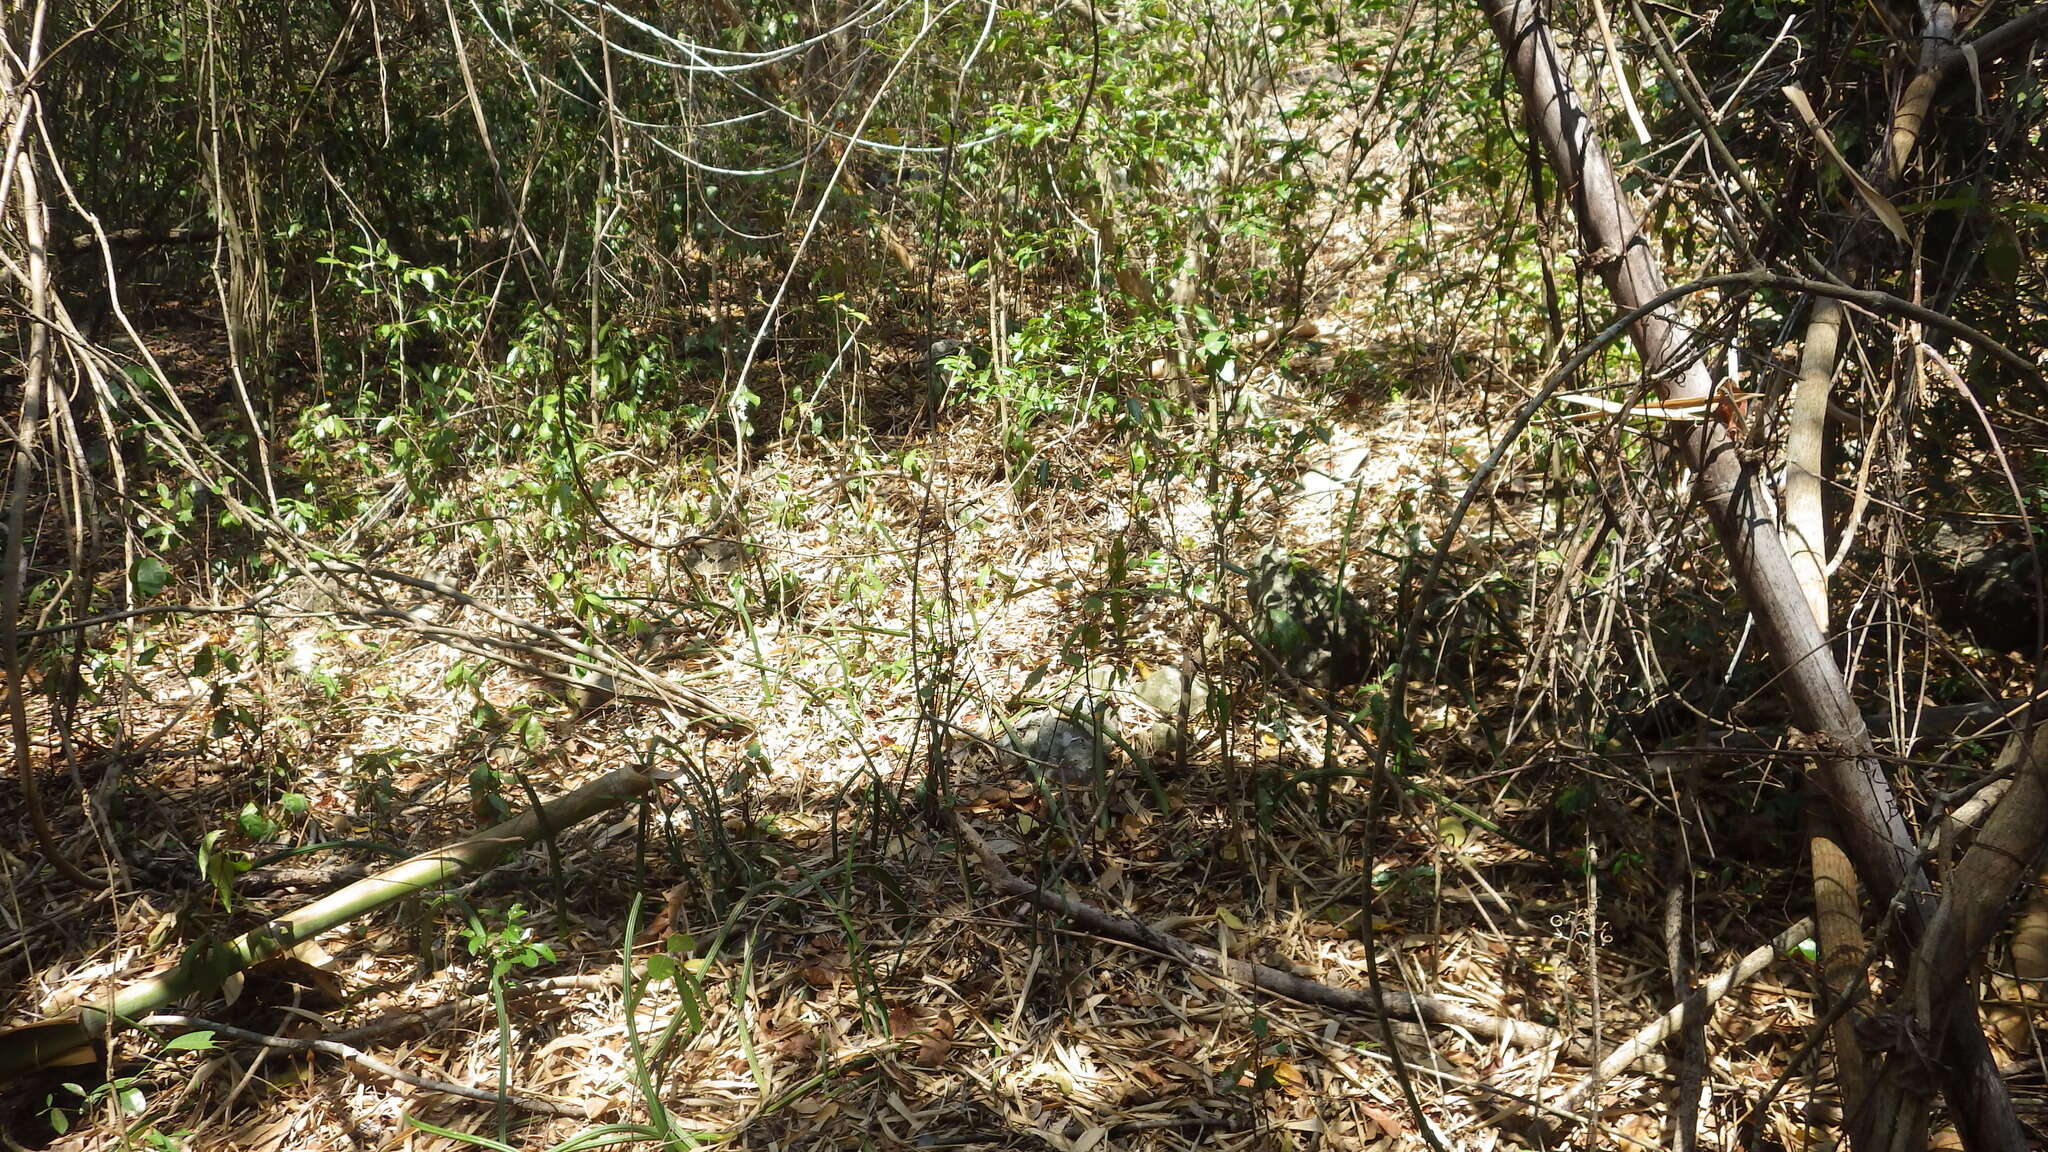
46, 1042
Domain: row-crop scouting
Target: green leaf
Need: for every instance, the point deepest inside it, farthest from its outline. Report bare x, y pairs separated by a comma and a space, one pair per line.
149, 576
255, 824
1452, 832
191, 1042
2002, 255
468, 1138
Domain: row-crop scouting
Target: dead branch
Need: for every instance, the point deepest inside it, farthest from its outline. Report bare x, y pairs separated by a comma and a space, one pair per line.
1692, 1007
37, 394
1396, 1002
364, 1060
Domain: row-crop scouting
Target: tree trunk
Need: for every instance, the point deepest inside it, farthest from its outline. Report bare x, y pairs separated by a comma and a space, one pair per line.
1874, 831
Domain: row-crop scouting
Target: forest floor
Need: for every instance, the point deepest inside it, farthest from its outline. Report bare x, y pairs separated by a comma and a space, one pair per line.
843, 974
794, 947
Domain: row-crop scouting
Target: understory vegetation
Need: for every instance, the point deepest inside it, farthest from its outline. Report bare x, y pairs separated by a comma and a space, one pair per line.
1074, 574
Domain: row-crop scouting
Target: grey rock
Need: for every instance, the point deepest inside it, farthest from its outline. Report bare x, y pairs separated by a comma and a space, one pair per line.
1158, 740
1179, 700
1166, 689
1071, 747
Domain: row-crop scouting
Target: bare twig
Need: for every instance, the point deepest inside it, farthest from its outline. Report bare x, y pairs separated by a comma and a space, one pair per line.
36, 394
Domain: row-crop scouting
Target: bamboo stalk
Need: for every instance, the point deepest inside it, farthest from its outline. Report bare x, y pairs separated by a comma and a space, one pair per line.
60, 1038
